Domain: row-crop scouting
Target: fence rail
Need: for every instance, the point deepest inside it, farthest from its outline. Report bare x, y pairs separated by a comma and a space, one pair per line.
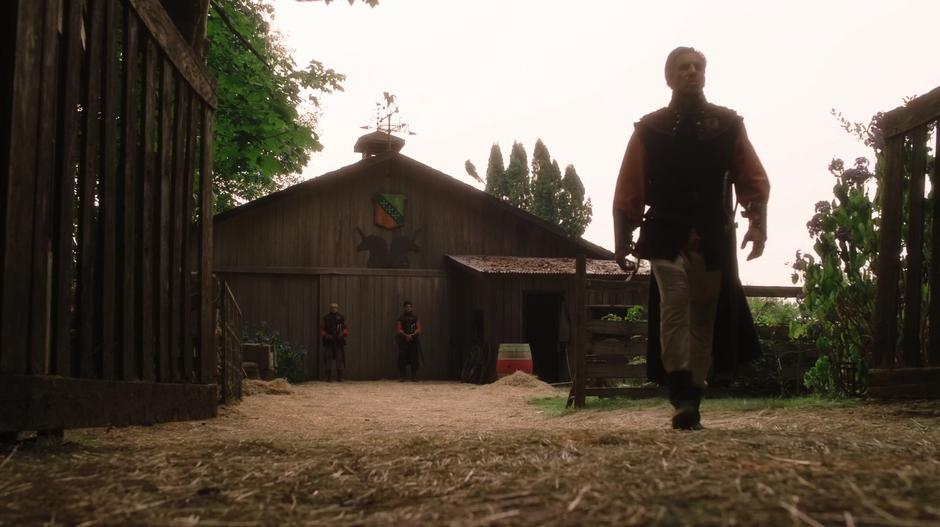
107, 201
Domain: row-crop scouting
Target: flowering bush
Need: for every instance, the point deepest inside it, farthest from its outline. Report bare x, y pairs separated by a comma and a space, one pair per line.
839, 282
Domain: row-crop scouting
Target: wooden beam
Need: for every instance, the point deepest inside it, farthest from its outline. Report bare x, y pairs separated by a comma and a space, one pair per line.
607, 327
628, 392
910, 343
43, 225
177, 49
162, 214
933, 320
918, 112
177, 190
89, 295
189, 321
888, 266
904, 383
39, 402
207, 354
883, 377
64, 265
20, 186
145, 277
127, 273
334, 271
773, 291
108, 196
580, 332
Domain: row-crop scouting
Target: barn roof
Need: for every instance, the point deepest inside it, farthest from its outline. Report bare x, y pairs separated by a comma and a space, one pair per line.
516, 265
363, 167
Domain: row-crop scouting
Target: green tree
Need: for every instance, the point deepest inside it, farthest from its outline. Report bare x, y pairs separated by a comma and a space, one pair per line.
496, 174
517, 177
546, 194
265, 125
546, 184
574, 211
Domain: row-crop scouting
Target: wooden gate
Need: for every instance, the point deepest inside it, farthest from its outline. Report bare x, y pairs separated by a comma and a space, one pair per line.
106, 228
230, 326
911, 369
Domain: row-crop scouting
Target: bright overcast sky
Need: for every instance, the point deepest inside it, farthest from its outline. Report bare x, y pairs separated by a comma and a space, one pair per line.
578, 73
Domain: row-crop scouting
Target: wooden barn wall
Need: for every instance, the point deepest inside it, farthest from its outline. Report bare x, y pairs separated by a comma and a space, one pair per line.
316, 225
285, 303
502, 297
293, 304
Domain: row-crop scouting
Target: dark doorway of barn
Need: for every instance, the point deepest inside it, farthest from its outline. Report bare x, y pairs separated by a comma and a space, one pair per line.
540, 321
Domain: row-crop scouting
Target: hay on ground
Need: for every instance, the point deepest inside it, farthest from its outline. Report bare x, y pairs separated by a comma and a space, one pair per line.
273, 387
520, 381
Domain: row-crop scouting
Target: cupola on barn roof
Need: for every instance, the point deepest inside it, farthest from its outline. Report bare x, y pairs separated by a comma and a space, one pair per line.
378, 142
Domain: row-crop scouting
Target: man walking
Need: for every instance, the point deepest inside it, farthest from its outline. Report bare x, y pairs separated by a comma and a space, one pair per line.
408, 330
333, 333
682, 162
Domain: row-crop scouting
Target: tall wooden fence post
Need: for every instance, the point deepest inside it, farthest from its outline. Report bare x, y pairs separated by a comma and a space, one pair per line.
579, 334
886, 297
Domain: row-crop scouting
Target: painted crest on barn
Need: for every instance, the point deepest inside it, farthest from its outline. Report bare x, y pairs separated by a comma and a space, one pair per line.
389, 210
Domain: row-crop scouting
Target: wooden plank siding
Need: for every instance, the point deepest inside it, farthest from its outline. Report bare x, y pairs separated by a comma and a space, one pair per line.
293, 305
314, 224
98, 131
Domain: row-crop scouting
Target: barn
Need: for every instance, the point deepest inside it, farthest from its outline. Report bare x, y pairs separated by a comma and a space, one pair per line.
387, 229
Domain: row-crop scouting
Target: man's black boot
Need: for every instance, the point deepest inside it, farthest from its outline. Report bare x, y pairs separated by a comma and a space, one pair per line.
682, 395
695, 395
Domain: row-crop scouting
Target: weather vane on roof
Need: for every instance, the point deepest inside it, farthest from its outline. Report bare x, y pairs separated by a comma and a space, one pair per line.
383, 117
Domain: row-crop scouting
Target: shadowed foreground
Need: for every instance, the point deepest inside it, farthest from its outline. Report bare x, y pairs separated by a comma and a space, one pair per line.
382, 453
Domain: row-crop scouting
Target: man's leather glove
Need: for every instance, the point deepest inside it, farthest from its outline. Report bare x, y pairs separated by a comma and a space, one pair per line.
756, 213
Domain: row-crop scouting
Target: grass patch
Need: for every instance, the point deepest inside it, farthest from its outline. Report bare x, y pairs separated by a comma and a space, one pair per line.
555, 406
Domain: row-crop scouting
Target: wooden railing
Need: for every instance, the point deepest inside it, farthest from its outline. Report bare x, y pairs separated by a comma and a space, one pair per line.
617, 350
106, 198
905, 132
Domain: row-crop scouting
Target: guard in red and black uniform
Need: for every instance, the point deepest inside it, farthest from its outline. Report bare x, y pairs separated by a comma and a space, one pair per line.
409, 342
333, 333
675, 184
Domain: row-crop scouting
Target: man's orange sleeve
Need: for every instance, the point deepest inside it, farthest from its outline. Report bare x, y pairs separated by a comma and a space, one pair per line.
750, 179
630, 192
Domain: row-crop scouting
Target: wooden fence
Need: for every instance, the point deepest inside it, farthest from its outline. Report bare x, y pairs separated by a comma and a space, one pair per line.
617, 350
105, 236
230, 327
909, 367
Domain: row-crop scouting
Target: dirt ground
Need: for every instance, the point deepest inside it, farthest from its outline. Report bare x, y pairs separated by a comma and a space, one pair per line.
431, 453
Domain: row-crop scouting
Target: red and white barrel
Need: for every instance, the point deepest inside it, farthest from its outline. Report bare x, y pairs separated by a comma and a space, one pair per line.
513, 358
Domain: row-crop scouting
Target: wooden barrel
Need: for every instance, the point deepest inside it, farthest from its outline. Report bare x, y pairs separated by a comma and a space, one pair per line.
513, 358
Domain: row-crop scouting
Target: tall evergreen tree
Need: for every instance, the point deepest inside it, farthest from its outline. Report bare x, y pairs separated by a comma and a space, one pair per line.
546, 183
517, 177
574, 212
496, 174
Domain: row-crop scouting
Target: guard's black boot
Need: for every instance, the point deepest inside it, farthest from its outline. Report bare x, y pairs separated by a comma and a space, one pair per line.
682, 397
329, 373
339, 375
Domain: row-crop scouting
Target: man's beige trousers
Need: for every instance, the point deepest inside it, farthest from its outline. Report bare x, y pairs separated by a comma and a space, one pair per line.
688, 297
